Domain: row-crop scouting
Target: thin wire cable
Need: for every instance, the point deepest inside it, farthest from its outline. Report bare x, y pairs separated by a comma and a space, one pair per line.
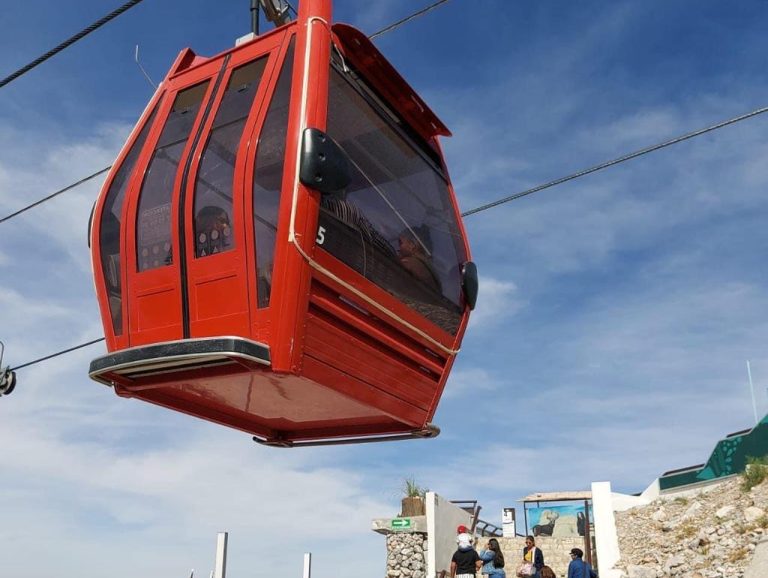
52, 355
60, 191
479, 209
616, 161
379, 33
69, 42
125, 7
407, 19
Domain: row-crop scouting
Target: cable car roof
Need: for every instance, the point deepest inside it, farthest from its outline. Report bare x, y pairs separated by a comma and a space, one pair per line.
383, 76
363, 55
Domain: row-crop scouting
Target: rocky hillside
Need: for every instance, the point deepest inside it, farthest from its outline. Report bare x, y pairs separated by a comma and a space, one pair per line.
708, 535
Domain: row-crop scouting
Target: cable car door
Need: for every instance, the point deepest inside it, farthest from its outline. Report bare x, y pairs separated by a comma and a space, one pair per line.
217, 222
156, 310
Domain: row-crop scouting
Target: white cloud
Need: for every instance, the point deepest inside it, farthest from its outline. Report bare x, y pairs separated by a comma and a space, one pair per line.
497, 300
473, 381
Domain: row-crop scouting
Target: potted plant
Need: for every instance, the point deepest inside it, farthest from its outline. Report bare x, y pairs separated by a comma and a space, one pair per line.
413, 503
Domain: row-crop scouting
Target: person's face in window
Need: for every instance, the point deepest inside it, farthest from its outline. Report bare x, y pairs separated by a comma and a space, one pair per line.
407, 246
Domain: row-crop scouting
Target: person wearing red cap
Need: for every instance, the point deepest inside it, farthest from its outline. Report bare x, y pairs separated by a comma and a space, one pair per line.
465, 561
463, 538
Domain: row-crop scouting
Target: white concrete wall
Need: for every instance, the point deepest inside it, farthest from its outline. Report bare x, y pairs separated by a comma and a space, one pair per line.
623, 502
653, 491
443, 518
606, 538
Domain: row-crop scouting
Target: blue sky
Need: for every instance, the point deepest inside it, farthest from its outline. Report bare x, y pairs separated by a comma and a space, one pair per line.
615, 317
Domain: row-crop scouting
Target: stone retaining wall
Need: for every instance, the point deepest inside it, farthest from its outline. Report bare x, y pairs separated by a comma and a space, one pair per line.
557, 552
407, 555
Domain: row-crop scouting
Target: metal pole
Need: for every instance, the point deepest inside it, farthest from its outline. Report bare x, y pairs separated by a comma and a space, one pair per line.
307, 565
255, 17
525, 515
587, 536
221, 555
752, 389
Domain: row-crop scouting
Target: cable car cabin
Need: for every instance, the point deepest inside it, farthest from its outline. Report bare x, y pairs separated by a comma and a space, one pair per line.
278, 248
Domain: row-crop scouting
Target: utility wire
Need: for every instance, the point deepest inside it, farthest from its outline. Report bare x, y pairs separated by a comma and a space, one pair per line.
60, 191
52, 355
67, 43
479, 209
407, 19
548, 185
616, 161
80, 182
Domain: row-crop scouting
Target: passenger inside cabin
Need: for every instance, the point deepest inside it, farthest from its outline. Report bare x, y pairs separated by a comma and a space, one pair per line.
415, 247
213, 232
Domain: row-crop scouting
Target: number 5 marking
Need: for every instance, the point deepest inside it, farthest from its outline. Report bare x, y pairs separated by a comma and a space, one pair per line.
320, 235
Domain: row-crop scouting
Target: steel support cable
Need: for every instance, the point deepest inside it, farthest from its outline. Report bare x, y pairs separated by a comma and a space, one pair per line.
69, 42
407, 19
616, 161
476, 209
62, 352
52, 195
548, 185
80, 182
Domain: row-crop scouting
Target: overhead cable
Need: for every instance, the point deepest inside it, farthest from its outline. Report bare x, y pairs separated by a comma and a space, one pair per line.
616, 161
62, 352
80, 182
52, 195
407, 19
69, 42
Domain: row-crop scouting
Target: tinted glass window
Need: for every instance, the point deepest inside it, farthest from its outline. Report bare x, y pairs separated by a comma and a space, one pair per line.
153, 226
215, 178
268, 178
111, 218
395, 223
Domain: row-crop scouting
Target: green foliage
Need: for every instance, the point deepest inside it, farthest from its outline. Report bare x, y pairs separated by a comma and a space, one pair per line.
755, 473
413, 490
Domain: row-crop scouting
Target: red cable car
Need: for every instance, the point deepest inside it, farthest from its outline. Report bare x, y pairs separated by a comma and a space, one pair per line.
278, 247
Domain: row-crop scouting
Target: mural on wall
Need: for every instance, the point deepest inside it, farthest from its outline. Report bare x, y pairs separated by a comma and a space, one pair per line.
558, 521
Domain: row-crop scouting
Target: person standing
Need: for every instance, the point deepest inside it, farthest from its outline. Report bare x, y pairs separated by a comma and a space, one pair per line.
465, 563
463, 538
578, 568
493, 560
533, 559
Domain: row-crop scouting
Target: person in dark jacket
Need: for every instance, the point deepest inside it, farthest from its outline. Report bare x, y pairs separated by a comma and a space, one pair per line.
534, 556
465, 563
578, 568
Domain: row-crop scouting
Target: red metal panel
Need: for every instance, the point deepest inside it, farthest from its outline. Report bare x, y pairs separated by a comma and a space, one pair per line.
345, 384
390, 303
356, 316
290, 288
378, 367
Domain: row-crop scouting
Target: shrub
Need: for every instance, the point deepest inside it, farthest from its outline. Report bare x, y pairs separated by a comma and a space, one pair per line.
755, 473
413, 490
